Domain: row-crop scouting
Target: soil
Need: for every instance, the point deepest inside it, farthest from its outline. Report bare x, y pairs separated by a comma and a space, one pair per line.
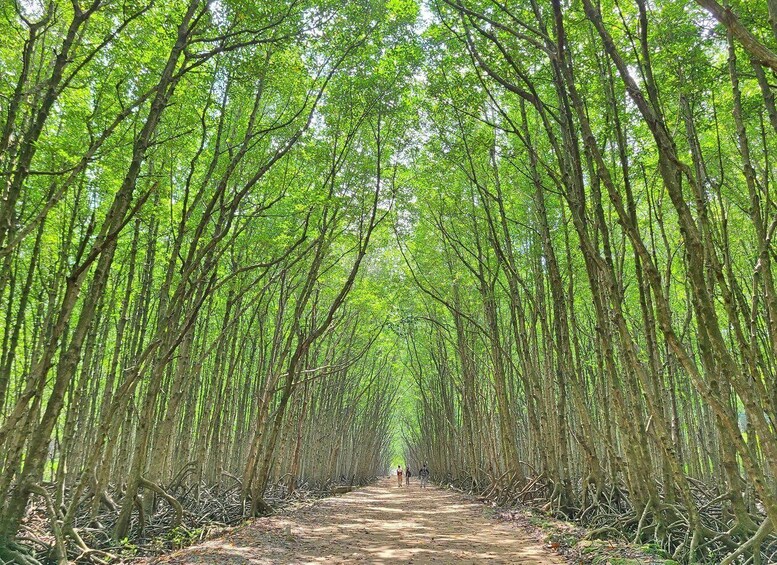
378, 524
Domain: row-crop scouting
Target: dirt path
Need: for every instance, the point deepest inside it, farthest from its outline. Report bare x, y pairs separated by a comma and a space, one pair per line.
378, 524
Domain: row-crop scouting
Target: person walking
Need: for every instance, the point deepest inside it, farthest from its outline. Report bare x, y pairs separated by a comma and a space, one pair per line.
399, 475
424, 474
407, 474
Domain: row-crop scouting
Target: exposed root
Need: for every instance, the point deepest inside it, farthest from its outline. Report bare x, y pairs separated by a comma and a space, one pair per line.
171, 500
56, 527
183, 474
764, 530
16, 555
138, 502
662, 524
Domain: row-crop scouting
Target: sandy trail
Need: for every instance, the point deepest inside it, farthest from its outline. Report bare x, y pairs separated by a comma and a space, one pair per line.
379, 524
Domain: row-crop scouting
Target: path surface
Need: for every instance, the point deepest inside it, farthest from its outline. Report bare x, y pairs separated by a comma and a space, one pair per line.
379, 524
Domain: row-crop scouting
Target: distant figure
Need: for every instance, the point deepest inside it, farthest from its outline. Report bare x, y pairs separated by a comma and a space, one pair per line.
399, 475
407, 474
424, 474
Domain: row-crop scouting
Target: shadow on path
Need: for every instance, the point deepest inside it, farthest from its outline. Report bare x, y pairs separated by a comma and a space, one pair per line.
379, 524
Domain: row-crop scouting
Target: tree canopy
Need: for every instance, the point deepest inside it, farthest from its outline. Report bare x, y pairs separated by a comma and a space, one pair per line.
249, 246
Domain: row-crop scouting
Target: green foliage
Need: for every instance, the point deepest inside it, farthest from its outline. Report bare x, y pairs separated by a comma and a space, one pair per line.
181, 536
128, 548
301, 240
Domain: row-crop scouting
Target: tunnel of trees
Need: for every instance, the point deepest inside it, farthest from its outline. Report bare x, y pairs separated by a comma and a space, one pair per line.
247, 246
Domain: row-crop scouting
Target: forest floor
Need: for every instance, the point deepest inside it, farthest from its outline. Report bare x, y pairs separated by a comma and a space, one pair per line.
381, 523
